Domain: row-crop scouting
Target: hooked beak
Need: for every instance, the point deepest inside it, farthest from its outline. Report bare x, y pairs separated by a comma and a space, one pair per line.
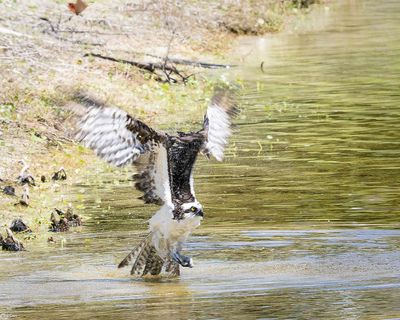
200, 213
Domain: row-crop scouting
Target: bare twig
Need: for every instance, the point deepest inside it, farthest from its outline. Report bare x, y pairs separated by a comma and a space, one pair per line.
168, 74
55, 30
149, 67
140, 7
94, 44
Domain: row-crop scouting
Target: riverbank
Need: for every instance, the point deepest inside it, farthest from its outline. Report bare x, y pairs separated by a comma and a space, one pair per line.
47, 53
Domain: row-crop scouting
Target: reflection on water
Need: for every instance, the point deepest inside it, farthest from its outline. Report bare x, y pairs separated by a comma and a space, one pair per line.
302, 220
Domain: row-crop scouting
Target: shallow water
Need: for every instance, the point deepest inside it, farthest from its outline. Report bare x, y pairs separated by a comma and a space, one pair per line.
302, 220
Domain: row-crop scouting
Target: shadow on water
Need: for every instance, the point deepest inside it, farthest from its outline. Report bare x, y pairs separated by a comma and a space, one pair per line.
302, 220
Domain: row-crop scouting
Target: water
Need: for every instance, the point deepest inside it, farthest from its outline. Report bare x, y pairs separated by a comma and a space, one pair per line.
302, 220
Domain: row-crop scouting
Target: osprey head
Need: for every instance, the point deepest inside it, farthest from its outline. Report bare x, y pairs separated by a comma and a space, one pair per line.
188, 210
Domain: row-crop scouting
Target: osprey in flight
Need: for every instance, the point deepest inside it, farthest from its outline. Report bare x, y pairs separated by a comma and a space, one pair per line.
165, 173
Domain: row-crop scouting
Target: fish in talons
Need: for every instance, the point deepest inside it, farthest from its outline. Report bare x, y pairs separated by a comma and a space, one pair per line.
184, 261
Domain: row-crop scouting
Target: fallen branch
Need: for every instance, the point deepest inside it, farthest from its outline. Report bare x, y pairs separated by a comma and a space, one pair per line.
151, 67
198, 64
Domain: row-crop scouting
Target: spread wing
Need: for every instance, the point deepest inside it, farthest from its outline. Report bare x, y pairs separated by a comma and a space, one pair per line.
211, 140
121, 140
218, 122
164, 163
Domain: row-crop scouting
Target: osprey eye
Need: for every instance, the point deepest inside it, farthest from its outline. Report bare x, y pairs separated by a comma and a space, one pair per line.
193, 209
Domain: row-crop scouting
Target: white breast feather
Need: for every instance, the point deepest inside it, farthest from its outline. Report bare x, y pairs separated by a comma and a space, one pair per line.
167, 233
161, 178
192, 184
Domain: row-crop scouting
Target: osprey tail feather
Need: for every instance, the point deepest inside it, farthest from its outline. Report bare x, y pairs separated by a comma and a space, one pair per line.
146, 261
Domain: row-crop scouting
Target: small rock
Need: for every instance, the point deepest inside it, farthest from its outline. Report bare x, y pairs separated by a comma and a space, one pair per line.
17, 225
9, 190
59, 212
73, 219
59, 175
11, 243
58, 224
24, 201
43, 179
29, 180
61, 221
24, 176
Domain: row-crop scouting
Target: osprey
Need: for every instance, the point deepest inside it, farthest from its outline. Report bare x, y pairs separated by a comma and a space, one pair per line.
165, 173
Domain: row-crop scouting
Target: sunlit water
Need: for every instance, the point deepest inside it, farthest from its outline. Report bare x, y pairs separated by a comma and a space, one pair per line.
302, 220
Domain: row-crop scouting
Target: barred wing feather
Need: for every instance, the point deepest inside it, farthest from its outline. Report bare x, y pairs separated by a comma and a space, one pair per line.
218, 123
121, 140
105, 131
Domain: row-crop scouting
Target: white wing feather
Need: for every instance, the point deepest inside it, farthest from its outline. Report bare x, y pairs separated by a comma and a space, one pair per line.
218, 122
